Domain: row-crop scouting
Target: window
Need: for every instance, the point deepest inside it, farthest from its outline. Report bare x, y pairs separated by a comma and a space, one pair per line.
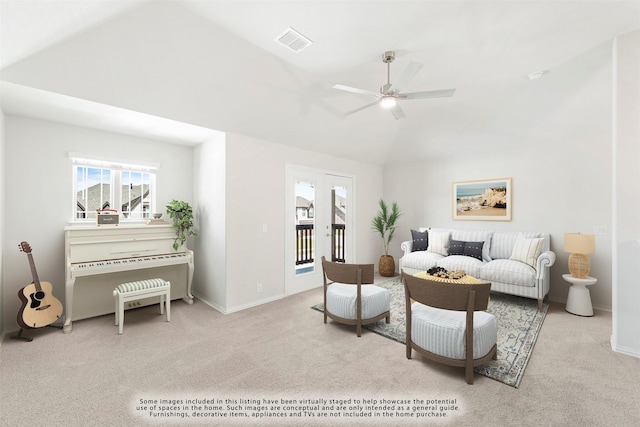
126, 188
135, 194
92, 191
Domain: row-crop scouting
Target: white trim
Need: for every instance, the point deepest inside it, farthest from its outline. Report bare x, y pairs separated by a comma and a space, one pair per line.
237, 308
614, 193
624, 350
115, 196
112, 163
303, 282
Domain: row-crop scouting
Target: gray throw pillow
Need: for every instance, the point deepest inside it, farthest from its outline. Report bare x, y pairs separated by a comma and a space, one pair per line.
420, 240
473, 249
456, 247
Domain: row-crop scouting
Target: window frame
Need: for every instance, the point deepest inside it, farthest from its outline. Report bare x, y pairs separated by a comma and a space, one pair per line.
116, 168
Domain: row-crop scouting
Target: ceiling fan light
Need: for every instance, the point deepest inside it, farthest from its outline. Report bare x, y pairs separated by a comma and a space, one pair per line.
388, 102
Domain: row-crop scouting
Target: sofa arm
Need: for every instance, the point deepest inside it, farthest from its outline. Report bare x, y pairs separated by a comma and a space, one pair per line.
546, 259
407, 246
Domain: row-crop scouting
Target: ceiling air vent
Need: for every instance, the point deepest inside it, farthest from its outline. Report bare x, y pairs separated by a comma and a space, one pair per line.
293, 40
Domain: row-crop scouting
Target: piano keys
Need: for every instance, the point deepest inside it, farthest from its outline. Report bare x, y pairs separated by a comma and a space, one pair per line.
97, 259
107, 266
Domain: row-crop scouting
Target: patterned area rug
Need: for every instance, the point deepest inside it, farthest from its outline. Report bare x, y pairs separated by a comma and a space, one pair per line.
519, 323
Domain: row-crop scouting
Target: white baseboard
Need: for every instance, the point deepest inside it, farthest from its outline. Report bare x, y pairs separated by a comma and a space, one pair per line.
634, 352
209, 303
239, 307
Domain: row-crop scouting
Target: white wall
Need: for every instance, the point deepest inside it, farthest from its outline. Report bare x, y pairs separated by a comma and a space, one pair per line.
255, 195
560, 164
2, 230
626, 144
235, 186
39, 188
210, 277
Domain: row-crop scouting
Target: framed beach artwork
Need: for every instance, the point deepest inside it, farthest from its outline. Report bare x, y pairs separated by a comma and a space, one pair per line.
487, 200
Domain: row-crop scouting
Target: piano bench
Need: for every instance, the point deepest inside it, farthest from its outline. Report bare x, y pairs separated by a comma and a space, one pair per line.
138, 290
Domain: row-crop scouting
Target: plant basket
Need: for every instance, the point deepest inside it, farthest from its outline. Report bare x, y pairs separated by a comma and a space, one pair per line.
386, 266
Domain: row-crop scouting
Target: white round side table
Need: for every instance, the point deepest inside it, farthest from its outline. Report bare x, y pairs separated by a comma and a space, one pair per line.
579, 299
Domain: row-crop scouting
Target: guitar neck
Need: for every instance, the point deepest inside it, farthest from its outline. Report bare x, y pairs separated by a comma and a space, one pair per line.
34, 273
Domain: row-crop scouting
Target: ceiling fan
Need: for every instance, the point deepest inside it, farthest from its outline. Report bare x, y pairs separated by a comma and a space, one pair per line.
390, 93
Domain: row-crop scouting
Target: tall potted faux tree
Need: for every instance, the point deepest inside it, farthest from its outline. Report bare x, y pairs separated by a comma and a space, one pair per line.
384, 223
182, 216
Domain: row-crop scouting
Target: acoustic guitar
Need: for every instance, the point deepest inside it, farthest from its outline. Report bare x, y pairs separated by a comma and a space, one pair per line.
39, 307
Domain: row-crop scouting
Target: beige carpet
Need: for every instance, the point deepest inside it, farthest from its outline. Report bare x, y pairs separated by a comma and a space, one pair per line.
94, 376
519, 322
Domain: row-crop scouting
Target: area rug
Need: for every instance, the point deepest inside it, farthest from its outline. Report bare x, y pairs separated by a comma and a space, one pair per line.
519, 323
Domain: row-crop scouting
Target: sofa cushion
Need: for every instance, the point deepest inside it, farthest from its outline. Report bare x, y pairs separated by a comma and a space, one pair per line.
443, 331
527, 250
508, 271
420, 240
502, 242
470, 265
421, 260
439, 242
476, 236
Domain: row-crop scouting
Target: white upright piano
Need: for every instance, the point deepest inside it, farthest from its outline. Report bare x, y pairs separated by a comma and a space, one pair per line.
99, 258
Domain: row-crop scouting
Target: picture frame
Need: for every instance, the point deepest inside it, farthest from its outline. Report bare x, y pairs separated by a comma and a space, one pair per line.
482, 200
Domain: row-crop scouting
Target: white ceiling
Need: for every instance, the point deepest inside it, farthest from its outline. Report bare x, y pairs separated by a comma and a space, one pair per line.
215, 65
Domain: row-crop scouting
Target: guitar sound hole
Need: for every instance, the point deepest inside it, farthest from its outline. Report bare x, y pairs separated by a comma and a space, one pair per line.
39, 295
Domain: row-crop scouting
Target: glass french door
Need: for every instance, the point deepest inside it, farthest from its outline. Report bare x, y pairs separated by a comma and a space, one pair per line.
319, 222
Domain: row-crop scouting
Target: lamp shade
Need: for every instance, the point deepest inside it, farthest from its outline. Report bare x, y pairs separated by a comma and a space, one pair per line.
579, 243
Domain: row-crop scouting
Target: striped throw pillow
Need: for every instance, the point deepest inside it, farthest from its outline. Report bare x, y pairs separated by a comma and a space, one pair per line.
527, 251
439, 242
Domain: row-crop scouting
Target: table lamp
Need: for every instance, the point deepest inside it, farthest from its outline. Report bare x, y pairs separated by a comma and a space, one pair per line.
579, 245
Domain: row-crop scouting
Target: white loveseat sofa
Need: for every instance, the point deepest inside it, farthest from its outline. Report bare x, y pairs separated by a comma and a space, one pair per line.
515, 263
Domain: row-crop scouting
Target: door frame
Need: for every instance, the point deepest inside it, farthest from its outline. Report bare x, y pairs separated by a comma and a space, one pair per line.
306, 281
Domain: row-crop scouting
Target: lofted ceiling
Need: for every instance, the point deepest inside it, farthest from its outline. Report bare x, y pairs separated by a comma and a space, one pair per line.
174, 70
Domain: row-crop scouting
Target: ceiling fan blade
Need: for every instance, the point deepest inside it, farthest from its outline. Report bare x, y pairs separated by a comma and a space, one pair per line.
427, 94
397, 112
407, 74
362, 108
356, 90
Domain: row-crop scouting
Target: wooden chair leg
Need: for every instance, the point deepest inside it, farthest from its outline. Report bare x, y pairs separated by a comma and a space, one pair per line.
469, 374
388, 319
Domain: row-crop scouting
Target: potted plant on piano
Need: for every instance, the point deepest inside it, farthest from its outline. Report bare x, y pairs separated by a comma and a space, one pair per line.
182, 215
384, 223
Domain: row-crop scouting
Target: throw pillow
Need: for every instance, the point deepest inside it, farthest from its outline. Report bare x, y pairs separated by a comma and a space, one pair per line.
473, 249
420, 240
527, 251
439, 242
456, 247
475, 236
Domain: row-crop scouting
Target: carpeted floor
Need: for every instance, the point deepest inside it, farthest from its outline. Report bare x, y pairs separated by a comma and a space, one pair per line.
519, 323
283, 350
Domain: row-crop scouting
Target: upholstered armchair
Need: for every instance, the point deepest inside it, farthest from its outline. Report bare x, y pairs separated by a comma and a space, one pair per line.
446, 322
350, 297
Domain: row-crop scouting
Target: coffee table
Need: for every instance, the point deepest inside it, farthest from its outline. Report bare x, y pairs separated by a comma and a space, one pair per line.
469, 280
